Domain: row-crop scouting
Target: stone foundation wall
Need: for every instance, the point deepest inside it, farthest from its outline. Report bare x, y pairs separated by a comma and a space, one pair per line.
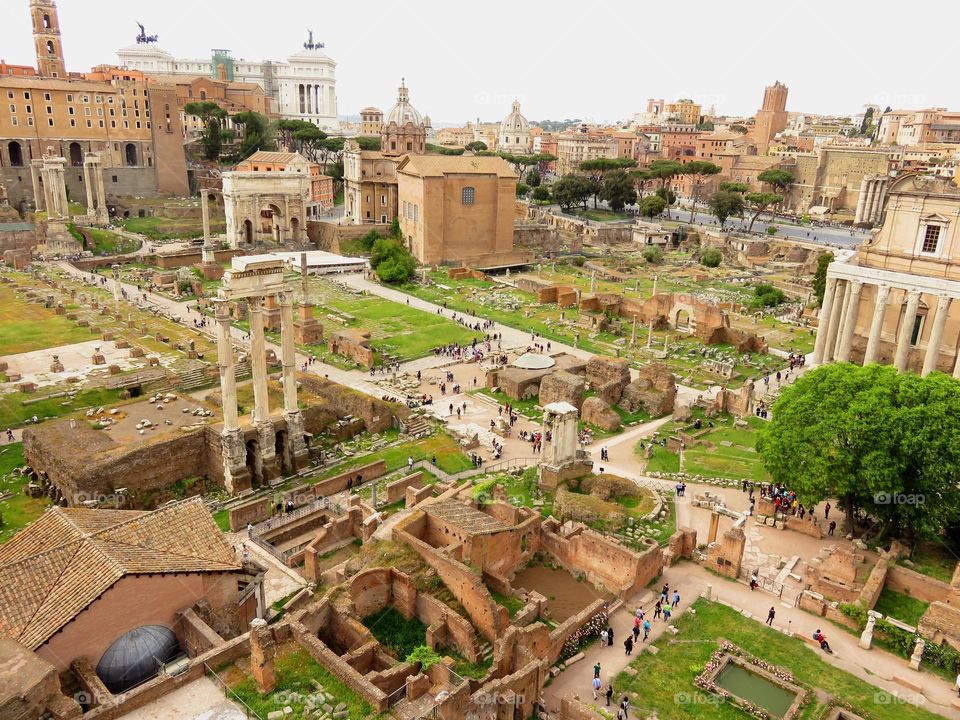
620, 570
250, 513
377, 414
397, 490
922, 587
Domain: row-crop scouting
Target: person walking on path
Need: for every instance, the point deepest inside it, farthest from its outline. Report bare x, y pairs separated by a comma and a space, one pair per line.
596, 687
628, 645
636, 631
609, 694
770, 616
624, 707
609, 637
646, 629
596, 670
657, 609
676, 599
666, 613
603, 638
826, 511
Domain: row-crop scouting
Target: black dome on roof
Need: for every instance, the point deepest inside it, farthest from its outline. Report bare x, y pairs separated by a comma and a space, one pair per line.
136, 656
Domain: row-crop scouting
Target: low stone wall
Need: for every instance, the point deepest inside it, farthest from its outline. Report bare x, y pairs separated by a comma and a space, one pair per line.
415, 496
397, 490
377, 415
194, 634
250, 513
304, 494
605, 562
922, 587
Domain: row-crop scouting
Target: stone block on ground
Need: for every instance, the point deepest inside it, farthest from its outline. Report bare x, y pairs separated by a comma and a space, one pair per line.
597, 411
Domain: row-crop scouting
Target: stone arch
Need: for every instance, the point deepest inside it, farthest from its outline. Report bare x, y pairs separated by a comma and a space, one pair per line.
681, 317
295, 229
248, 231
130, 154
283, 453
15, 152
76, 154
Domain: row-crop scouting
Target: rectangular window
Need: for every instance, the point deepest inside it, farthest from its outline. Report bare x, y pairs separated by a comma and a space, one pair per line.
10, 94
26, 95
86, 98
73, 123
383, 199
50, 122
30, 121
931, 238
467, 195
49, 110
46, 96
69, 98
13, 109
14, 121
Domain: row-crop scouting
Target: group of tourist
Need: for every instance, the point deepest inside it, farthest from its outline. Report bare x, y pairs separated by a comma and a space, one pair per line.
786, 501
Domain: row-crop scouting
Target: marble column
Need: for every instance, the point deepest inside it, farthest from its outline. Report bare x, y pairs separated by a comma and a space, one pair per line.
850, 323
116, 284
876, 325
258, 361
101, 196
633, 334
261, 399
861, 200
902, 358
38, 199
47, 195
936, 335
62, 187
835, 345
824, 326
297, 447
207, 255
236, 476
88, 187
654, 286
834, 326
650, 335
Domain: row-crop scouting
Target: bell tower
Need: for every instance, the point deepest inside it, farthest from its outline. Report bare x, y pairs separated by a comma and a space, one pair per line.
46, 39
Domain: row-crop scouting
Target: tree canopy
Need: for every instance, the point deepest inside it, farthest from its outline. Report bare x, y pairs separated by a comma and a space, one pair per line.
475, 146
760, 201
256, 133
820, 276
776, 178
651, 206
724, 204
213, 116
392, 262
618, 190
882, 442
664, 170
541, 194
570, 190
698, 170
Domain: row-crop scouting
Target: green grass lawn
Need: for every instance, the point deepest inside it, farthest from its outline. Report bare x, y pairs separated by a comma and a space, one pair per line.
395, 328
935, 559
25, 327
735, 461
512, 603
521, 489
601, 215
900, 606
295, 671
110, 243
529, 408
161, 228
664, 682
398, 635
14, 413
441, 446
20, 509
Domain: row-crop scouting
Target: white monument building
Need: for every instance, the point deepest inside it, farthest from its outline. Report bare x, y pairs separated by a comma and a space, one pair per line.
303, 87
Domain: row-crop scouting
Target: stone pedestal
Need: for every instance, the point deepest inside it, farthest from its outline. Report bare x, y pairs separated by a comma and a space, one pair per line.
98, 359
263, 650
306, 329
270, 463
271, 313
233, 450
299, 455
211, 270
56, 366
917, 655
866, 637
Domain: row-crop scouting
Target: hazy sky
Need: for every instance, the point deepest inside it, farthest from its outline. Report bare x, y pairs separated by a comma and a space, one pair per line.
595, 60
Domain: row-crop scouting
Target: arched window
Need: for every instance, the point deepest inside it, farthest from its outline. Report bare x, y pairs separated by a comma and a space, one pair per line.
46, 22
50, 46
467, 195
131, 155
76, 154
16, 154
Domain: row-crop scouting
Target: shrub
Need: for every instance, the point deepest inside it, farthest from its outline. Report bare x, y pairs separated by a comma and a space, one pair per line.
579, 261
425, 656
652, 255
711, 258
767, 296
771, 229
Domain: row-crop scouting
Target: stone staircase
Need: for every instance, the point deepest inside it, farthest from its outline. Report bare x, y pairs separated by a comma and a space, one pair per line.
486, 651
418, 427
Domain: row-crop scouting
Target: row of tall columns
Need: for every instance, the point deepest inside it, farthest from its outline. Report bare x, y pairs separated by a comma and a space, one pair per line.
265, 462
55, 188
873, 192
236, 476
93, 184
841, 308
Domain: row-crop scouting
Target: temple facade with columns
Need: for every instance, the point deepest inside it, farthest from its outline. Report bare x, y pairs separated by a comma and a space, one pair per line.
252, 462
895, 301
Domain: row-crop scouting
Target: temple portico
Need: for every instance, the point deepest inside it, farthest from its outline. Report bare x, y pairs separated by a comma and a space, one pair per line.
93, 184
888, 317
248, 462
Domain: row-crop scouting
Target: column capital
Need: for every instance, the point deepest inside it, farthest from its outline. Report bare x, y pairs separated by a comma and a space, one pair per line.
255, 304
285, 297
221, 309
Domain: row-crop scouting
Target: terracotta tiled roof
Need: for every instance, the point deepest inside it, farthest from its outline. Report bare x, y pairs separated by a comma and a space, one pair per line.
59, 565
439, 165
465, 517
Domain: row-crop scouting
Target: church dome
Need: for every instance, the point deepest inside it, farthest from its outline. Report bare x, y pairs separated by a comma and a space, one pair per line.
515, 122
403, 112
